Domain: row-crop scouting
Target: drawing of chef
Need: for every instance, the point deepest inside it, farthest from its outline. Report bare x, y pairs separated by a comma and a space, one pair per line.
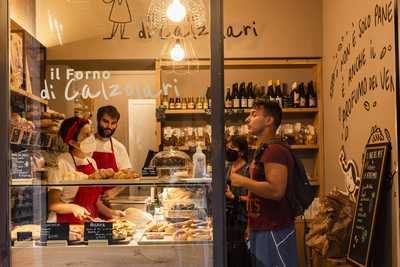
120, 15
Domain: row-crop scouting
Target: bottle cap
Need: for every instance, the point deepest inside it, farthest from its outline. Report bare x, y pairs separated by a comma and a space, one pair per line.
270, 83
294, 85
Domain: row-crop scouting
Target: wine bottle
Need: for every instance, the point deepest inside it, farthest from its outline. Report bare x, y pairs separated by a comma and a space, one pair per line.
279, 94
184, 103
302, 93
191, 103
199, 103
243, 95
251, 95
178, 103
164, 101
171, 103
311, 95
271, 92
263, 92
228, 99
295, 95
205, 102
208, 95
236, 95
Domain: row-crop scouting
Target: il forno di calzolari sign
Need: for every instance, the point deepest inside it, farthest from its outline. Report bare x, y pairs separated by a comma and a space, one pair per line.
102, 86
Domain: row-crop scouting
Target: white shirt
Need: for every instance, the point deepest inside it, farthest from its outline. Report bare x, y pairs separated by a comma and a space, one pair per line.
66, 164
120, 153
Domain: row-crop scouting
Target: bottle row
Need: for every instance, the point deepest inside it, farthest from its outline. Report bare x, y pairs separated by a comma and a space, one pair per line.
184, 103
243, 96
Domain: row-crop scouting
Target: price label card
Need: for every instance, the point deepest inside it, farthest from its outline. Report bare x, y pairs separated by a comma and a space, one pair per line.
24, 236
98, 231
149, 171
54, 232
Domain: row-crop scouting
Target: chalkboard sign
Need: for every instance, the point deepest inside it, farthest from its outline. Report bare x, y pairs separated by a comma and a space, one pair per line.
54, 232
21, 165
362, 232
98, 231
149, 171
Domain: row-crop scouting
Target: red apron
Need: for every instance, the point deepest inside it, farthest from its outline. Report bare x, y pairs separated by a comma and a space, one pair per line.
86, 197
106, 160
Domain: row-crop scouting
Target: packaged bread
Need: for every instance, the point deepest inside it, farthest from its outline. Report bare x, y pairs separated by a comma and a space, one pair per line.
45, 123
37, 115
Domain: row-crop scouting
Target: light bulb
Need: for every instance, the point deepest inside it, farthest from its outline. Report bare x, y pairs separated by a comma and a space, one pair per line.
177, 53
176, 11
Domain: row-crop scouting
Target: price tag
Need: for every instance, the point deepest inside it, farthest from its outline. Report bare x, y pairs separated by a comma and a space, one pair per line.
98, 231
24, 236
54, 232
149, 171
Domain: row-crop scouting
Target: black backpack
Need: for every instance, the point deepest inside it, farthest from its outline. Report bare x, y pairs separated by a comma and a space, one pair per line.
299, 191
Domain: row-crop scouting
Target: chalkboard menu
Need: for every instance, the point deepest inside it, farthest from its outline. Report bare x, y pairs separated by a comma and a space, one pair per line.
98, 231
362, 232
54, 232
21, 165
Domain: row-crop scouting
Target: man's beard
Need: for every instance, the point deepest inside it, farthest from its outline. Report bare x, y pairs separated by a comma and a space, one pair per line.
105, 132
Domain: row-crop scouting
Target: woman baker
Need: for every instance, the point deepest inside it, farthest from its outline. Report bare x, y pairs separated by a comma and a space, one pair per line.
75, 204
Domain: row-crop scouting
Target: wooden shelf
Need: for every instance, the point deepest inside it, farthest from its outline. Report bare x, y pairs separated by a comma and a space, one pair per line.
185, 111
300, 110
30, 96
298, 147
236, 111
304, 147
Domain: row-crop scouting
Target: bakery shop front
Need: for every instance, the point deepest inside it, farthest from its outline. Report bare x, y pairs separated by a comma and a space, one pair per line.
130, 128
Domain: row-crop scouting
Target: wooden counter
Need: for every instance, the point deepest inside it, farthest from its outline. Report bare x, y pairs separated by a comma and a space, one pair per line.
196, 255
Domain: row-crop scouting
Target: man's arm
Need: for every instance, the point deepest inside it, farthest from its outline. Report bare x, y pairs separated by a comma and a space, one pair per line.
273, 187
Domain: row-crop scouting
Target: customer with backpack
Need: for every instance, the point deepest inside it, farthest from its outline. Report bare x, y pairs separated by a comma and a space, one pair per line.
270, 217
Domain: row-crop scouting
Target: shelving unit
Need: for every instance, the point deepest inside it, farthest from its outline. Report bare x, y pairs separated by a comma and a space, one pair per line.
301, 69
30, 96
235, 111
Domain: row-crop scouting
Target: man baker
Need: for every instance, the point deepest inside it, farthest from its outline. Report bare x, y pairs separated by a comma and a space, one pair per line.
110, 153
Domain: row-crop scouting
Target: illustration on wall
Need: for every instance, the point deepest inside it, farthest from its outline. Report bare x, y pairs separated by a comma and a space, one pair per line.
351, 175
120, 15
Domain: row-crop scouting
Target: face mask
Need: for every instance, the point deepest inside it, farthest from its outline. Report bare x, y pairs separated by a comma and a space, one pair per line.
102, 131
88, 145
231, 155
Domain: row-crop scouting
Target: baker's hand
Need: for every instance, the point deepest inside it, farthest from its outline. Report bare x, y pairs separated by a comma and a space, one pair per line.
238, 180
116, 214
80, 212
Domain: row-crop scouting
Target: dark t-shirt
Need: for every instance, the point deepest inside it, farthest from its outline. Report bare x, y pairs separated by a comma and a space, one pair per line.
267, 214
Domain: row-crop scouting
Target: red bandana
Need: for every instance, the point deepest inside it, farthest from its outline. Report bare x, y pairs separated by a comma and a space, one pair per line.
74, 127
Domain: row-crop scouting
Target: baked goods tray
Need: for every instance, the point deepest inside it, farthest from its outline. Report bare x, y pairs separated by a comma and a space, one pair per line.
168, 240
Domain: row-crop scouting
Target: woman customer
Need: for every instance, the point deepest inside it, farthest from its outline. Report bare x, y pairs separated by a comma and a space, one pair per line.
236, 157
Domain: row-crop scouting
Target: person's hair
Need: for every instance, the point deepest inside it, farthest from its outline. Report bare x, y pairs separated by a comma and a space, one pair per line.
271, 108
240, 141
67, 124
109, 110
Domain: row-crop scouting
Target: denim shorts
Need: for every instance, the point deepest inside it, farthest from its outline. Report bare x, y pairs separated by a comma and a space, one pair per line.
276, 248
